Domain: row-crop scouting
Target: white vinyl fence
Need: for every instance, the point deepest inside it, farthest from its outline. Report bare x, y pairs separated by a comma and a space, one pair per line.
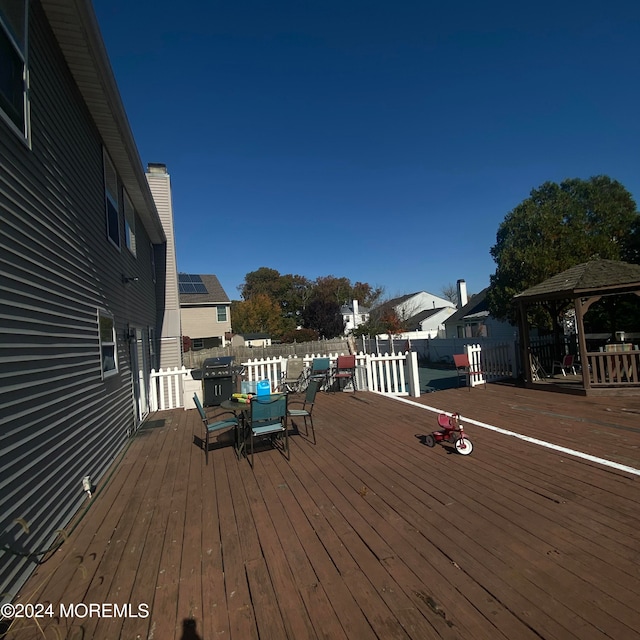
167, 388
394, 374
498, 362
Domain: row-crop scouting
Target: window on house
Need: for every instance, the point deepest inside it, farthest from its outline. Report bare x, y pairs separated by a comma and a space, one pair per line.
197, 343
107, 335
111, 197
222, 313
14, 104
14, 74
129, 224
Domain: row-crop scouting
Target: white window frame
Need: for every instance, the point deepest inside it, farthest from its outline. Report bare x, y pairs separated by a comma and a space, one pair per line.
222, 307
17, 38
111, 199
108, 344
129, 223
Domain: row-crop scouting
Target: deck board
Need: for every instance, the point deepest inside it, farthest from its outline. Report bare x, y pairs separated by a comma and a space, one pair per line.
368, 533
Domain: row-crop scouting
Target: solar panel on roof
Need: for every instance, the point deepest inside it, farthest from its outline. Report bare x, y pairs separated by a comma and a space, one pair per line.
191, 283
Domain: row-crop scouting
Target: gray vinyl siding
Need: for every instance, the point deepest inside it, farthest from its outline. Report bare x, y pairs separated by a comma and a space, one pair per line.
59, 420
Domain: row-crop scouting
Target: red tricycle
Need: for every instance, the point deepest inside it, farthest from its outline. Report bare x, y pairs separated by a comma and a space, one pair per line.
453, 432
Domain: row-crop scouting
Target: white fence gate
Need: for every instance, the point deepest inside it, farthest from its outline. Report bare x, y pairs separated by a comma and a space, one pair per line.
167, 388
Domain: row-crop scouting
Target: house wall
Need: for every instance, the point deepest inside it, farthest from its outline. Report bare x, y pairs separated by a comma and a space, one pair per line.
494, 329
59, 420
202, 322
435, 322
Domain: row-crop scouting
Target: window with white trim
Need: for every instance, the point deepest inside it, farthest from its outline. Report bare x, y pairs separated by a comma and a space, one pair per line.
222, 313
112, 201
129, 224
108, 350
14, 74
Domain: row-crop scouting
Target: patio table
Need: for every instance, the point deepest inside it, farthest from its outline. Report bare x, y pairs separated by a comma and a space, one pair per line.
241, 411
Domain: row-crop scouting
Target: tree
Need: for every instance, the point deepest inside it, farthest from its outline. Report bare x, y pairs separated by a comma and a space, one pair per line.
450, 292
262, 281
259, 314
381, 320
324, 316
557, 227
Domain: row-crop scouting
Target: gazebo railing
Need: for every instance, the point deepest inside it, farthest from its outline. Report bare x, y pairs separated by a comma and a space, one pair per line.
614, 369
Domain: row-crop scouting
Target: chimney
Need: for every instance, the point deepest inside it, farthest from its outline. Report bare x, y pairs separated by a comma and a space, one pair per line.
462, 294
355, 314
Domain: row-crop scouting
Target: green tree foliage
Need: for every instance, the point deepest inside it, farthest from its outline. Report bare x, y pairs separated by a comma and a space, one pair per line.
385, 321
557, 227
293, 295
259, 314
323, 315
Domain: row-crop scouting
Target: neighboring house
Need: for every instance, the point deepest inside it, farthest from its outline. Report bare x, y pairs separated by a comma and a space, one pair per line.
473, 320
413, 304
353, 315
80, 243
251, 340
430, 323
205, 310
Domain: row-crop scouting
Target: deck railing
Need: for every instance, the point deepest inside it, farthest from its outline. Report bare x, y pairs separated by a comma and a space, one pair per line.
614, 368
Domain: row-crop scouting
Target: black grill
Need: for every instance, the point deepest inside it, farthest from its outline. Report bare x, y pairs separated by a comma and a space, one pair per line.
217, 367
218, 380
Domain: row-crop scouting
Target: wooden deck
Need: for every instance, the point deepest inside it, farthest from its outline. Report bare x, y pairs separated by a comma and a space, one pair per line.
368, 533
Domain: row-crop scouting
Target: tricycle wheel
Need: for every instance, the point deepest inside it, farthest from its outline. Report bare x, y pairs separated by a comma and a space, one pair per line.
429, 440
463, 446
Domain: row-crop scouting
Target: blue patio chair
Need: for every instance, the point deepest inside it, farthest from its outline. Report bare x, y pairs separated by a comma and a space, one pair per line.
215, 426
320, 370
268, 417
307, 407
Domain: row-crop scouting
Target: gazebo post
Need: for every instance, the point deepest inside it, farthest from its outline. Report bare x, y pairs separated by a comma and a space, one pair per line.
582, 344
524, 343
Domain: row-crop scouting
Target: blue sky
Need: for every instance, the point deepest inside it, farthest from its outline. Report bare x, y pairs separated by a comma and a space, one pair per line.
380, 141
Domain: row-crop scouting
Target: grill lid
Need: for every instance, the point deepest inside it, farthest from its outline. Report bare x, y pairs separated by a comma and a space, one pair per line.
216, 363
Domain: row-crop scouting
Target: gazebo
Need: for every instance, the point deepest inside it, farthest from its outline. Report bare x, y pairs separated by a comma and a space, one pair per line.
615, 370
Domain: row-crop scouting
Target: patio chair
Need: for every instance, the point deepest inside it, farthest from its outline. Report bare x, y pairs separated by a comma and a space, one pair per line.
320, 370
345, 370
464, 368
565, 365
268, 417
215, 426
295, 377
537, 370
307, 407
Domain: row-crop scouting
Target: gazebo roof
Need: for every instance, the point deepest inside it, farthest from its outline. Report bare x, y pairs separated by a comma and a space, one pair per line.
596, 277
